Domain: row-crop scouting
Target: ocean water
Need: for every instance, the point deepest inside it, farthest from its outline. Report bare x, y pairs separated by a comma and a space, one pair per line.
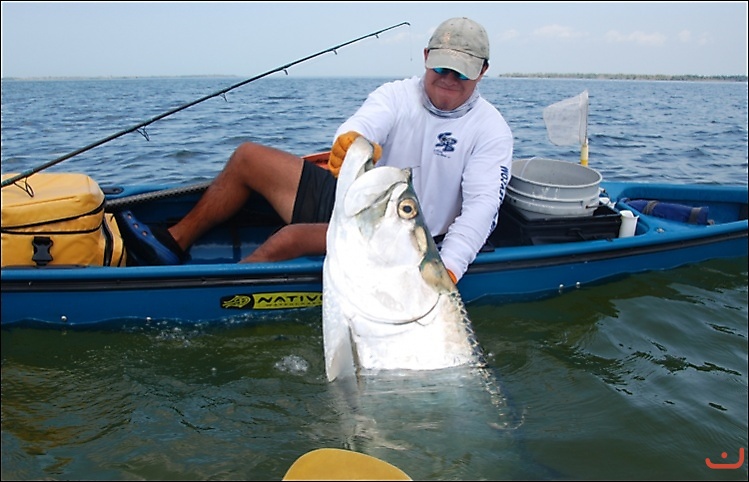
641, 378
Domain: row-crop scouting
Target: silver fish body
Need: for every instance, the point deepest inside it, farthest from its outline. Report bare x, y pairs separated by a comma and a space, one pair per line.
388, 302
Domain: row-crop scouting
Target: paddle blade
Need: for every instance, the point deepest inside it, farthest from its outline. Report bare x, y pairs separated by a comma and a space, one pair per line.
567, 121
338, 464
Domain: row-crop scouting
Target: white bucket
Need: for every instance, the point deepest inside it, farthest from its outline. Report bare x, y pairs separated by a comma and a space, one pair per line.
629, 224
547, 187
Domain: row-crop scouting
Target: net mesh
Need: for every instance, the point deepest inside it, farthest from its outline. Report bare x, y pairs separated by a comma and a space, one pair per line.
567, 121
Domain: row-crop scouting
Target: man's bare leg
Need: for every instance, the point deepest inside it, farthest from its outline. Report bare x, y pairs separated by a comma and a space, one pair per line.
291, 241
272, 173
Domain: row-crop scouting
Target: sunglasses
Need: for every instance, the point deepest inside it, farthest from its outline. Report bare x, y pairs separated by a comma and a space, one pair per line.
443, 71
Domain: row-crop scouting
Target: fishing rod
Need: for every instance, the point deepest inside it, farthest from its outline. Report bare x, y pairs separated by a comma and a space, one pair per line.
34, 170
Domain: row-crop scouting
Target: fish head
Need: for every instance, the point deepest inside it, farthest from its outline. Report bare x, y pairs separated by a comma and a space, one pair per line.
393, 230
380, 240
386, 293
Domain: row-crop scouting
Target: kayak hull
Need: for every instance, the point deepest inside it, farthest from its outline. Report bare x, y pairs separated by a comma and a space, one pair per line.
213, 286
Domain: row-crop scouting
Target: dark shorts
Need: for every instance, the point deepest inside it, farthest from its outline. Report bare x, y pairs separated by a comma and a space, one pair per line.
315, 196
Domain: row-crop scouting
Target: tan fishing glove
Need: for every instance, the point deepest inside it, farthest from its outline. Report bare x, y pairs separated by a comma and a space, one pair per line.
341, 145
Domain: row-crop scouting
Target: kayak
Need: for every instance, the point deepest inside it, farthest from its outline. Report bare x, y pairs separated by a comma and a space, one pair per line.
631, 228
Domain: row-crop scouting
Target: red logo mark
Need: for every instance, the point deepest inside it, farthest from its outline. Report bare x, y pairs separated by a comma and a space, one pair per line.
724, 456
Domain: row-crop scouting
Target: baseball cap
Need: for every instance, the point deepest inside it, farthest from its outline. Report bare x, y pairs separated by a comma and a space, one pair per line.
459, 44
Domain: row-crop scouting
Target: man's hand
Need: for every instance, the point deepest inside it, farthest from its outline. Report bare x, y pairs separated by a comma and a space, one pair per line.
340, 147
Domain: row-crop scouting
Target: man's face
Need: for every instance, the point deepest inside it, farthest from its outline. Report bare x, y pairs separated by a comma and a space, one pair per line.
446, 90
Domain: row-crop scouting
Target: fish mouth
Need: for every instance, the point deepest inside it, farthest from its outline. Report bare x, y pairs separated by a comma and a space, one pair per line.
402, 321
434, 286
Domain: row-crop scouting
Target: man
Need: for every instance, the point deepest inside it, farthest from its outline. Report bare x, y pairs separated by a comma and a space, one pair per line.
457, 145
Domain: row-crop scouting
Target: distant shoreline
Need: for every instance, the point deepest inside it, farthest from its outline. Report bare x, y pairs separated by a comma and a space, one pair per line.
689, 78
544, 75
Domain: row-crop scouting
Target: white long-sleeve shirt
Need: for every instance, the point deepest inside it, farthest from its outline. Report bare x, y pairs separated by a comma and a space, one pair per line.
461, 166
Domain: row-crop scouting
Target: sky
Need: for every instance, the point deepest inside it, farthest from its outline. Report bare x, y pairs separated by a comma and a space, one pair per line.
140, 39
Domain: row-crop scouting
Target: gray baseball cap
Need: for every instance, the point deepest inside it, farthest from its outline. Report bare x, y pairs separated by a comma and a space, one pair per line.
459, 44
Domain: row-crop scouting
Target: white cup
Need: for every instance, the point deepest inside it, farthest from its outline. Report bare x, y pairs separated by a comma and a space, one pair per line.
629, 224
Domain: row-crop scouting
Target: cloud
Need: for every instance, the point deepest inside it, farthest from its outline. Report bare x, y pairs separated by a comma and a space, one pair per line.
557, 31
636, 37
509, 34
704, 39
685, 36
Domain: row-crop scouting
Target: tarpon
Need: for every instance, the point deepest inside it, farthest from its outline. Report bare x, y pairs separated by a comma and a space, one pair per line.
388, 301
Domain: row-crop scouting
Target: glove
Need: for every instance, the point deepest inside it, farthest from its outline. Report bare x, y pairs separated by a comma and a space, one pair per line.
341, 145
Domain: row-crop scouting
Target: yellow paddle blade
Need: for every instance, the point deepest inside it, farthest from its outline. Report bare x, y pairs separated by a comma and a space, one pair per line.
338, 464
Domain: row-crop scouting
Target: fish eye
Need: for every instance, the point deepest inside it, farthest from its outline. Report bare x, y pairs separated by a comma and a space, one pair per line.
407, 208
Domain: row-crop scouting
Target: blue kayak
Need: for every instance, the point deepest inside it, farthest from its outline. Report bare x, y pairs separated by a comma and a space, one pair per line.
525, 258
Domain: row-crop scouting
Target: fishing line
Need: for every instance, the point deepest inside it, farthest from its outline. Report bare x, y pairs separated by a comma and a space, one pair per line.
141, 127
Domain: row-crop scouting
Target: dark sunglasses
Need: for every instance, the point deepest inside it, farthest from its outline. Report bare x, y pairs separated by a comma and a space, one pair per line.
443, 71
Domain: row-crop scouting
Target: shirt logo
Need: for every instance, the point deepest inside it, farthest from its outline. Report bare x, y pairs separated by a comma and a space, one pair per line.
445, 142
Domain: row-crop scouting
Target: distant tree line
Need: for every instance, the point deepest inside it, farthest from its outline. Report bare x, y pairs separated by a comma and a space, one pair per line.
719, 78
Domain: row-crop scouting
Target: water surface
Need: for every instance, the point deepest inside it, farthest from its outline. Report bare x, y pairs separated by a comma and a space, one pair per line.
641, 378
